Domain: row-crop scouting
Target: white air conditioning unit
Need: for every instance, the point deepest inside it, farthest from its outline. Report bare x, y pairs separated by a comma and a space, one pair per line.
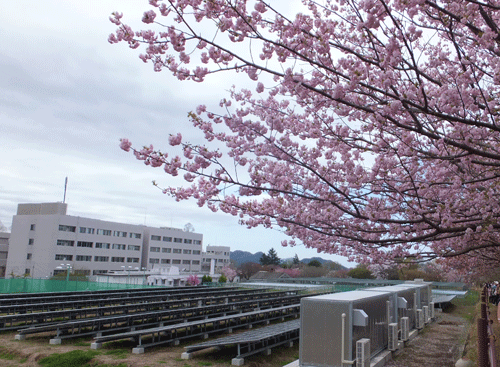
419, 320
432, 310
392, 337
426, 314
405, 328
363, 353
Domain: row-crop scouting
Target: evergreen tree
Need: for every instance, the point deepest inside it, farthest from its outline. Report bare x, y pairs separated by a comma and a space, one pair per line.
296, 260
270, 259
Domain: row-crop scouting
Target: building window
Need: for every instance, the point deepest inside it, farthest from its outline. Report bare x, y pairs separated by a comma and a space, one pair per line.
67, 228
154, 249
178, 240
31, 241
132, 259
117, 259
134, 248
119, 234
134, 235
101, 258
87, 230
195, 262
188, 241
196, 252
177, 251
165, 261
29, 256
166, 250
187, 252
119, 246
65, 243
84, 244
83, 258
32, 227
167, 239
186, 262
155, 238
176, 261
196, 242
27, 271
154, 261
64, 257
105, 232
95, 272
102, 245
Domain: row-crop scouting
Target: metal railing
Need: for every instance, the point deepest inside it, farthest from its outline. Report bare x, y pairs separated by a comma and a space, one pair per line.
485, 337
34, 285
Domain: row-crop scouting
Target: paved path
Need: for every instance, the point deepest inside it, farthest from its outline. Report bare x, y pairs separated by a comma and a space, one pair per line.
440, 344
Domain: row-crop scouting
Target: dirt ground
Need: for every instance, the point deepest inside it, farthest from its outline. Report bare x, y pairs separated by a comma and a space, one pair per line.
26, 354
440, 344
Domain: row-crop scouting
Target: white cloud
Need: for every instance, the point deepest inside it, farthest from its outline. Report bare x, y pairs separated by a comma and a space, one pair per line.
66, 98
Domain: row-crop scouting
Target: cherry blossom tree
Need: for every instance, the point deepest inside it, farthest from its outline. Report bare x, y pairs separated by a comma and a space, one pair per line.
192, 280
229, 273
367, 128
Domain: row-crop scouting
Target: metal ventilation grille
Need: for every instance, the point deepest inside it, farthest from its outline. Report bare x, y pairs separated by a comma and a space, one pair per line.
419, 319
392, 337
405, 328
363, 353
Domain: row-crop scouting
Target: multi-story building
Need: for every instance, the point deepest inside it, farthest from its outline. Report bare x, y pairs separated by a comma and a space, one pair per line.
45, 241
4, 249
215, 258
173, 246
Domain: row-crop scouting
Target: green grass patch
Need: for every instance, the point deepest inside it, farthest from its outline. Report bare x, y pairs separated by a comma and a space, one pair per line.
75, 358
117, 353
205, 364
81, 343
6, 354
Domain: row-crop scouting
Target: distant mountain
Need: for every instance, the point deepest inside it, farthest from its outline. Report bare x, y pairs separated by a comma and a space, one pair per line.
309, 259
241, 257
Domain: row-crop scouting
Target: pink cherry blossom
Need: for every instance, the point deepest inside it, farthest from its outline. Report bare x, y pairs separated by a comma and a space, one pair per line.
367, 128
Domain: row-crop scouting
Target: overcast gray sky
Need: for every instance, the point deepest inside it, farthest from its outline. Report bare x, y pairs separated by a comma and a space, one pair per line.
66, 98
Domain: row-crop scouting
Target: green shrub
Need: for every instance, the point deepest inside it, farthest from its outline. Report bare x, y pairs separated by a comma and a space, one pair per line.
75, 358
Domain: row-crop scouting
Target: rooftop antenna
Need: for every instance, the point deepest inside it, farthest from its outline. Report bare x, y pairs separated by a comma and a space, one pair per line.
65, 187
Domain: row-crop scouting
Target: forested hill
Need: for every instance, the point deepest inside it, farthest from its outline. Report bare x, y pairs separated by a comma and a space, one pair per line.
241, 257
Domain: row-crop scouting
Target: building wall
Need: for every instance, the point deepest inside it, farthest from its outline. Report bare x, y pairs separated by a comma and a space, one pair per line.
44, 240
4, 248
173, 246
220, 254
40, 243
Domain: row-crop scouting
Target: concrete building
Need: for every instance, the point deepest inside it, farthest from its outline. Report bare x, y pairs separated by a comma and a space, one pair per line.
45, 241
4, 249
215, 258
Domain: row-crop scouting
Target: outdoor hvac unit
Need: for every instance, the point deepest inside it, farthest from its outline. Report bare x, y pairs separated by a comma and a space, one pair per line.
426, 314
424, 291
363, 353
331, 324
432, 310
405, 328
398, 302
392, 337
419, 321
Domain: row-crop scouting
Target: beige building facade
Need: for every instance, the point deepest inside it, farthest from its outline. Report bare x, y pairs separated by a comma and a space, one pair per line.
45, 241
